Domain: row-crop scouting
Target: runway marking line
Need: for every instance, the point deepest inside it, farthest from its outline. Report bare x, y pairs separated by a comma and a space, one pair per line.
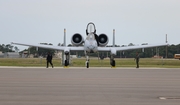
169, 98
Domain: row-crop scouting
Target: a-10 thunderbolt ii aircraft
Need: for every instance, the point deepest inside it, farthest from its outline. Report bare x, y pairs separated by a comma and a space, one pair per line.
92, 44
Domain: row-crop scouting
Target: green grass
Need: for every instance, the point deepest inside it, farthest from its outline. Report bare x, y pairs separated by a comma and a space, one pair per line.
26, 62
94, 62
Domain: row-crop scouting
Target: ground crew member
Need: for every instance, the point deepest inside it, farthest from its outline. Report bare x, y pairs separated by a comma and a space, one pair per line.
49, 60
137, 60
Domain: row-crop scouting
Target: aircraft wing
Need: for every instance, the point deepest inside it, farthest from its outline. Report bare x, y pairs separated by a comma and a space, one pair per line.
81, 48
130, 47
60, 48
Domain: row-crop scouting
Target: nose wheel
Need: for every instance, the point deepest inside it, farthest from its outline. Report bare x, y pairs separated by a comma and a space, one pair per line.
87, 61
87, 64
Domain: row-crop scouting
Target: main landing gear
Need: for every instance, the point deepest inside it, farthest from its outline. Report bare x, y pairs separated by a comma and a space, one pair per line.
66, 61
112, 61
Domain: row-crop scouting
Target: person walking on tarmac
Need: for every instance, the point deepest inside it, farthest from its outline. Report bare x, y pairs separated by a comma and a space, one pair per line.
137, 60
49, 60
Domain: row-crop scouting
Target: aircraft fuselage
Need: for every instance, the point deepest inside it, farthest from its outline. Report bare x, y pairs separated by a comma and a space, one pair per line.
90, 44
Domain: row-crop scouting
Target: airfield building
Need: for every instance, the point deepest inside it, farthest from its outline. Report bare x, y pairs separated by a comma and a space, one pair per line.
11, 55
1, 54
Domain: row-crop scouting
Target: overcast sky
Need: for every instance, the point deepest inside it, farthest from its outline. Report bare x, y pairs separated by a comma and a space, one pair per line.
135, 21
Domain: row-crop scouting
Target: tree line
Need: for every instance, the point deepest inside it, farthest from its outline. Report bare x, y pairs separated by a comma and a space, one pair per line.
8, 48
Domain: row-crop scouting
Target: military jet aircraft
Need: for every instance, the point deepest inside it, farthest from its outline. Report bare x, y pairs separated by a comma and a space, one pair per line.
93, 43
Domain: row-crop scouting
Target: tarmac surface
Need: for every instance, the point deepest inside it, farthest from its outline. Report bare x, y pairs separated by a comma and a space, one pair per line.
93, 86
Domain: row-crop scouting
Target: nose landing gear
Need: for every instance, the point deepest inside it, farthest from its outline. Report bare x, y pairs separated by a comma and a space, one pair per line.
87, 62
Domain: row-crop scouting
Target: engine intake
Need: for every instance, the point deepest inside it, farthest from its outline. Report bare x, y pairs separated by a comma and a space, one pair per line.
77, 39
103, 40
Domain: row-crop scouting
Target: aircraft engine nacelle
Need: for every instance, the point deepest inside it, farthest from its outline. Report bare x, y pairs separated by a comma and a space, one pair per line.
103, 40
77, 39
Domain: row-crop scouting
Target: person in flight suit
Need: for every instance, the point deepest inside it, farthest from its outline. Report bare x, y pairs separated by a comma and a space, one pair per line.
49, 60
137, 60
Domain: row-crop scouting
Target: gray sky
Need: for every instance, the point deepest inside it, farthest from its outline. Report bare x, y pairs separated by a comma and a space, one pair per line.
135, 21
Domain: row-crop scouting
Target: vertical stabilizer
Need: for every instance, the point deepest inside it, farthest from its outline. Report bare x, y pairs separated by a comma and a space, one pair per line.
113, 37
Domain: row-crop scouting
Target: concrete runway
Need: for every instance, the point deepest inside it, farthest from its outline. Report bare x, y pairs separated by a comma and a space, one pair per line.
93, 86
